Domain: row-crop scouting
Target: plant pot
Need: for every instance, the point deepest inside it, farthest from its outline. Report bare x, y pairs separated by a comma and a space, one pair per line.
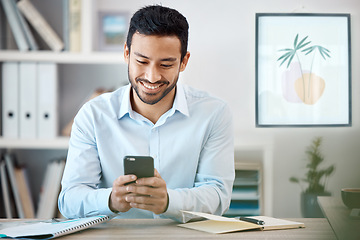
309, 88
309, 205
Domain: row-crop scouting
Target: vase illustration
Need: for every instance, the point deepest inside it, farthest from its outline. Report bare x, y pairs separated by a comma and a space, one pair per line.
309, 88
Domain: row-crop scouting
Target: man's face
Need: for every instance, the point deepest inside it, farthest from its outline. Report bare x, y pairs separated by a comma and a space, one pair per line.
154, 64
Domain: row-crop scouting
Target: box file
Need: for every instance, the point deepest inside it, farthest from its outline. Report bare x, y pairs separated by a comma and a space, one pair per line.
47, 100
28, 100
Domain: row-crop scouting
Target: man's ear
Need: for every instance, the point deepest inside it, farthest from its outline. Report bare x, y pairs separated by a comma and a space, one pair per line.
126, 53
184, 61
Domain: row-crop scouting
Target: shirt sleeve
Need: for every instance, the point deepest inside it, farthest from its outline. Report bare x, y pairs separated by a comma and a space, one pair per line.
80, 195
215, 175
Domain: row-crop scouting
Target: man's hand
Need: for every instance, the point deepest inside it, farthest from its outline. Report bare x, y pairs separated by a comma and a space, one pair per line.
119, 192
148, 193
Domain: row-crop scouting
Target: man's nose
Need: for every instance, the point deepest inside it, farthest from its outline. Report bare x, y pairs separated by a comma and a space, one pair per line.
152, 74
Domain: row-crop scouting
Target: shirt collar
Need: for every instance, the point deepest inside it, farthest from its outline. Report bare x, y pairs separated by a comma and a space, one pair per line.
180, 103
125, 105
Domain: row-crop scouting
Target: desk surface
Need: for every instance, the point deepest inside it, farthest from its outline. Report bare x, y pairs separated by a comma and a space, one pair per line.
316, 228
338, 216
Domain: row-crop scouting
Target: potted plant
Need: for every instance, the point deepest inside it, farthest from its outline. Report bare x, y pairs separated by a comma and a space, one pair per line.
315, 179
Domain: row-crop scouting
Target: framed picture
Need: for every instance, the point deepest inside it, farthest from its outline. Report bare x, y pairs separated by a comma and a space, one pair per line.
113, 28
303, 70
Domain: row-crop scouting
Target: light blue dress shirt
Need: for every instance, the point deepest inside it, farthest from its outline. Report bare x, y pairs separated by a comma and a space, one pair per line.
192, 146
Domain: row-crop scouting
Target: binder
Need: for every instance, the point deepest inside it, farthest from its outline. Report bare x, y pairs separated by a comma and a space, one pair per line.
28, 96
15, 25
10, 99
47, 100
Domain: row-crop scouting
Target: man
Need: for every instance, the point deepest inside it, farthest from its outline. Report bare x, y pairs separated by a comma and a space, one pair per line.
187, 132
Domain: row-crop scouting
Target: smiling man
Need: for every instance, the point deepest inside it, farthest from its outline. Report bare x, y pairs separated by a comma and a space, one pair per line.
188, 133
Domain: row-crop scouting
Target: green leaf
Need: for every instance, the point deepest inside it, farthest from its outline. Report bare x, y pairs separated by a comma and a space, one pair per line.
291, 58
301, 45
284, 55
286, 49
295, 41
286, 58
294, 180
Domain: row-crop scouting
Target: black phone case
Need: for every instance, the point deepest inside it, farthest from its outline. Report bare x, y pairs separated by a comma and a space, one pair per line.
141, 166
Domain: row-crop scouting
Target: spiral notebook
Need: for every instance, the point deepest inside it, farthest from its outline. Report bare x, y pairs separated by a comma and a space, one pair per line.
48, 230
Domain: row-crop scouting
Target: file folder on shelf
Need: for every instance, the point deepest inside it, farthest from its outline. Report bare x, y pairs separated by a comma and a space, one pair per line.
28, 100
47, 100
10, 99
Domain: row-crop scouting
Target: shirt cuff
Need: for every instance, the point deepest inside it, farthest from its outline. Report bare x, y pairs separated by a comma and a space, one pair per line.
103, 201
174, 207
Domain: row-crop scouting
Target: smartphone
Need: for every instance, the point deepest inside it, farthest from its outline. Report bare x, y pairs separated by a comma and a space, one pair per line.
141, 166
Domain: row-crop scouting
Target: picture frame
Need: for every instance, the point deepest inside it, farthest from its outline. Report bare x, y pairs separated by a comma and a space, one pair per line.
113, 27
303, 70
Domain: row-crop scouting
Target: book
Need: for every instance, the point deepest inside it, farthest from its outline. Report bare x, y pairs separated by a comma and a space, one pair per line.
65, 20
9, 159
3, 29
50, 189
74, 25
5, 192
40, 25
87, 25
219, 224
24, 191
15, 25
47, 230
25, 28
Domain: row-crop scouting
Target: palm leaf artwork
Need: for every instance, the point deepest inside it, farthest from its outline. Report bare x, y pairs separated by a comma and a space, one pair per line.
308, 95
291, 52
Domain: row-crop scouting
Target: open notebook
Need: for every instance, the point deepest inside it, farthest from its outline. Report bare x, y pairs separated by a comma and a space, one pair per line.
48, 230
218, 224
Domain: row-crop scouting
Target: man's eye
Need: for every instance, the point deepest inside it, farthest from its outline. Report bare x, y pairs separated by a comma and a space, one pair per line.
166, 65
141, 62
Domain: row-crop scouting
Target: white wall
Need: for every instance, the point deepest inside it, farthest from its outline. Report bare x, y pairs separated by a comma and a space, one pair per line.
222, 46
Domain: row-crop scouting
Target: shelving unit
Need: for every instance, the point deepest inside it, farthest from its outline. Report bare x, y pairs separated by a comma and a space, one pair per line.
63, 57
247, 198
254, 159
58, 143
79, 74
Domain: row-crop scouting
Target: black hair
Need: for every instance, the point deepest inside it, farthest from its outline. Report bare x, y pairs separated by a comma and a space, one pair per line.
161, 21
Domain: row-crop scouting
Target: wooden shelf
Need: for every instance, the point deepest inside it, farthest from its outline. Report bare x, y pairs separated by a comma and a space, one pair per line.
58, 143
63, 57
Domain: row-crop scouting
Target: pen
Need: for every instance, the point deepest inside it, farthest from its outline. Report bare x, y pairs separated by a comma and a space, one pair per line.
252, 220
